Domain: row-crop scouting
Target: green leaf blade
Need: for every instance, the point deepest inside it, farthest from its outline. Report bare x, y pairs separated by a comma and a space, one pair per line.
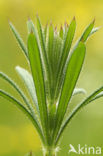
28, 81
72, 73
87, 32
19, 39
85, 35
95, 95
50, 43
64, 54
79, 91
45, 63
37, 73
61, 32
24, 110
45, 32
94, 30
16, 87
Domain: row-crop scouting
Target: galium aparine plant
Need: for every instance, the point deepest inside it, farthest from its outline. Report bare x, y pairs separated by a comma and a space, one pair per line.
55, 68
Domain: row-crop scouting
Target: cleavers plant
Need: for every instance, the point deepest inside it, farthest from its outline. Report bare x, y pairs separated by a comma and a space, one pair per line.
55, 68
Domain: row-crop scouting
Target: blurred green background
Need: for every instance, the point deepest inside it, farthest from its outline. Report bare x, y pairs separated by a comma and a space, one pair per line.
17, 135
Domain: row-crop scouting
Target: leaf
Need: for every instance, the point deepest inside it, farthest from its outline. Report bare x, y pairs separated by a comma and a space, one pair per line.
64, 55
29, 154
14, 85
94, 30
45, 62
69, 36
61, 33
72, 73
67, 42
87, 32
37, 73
50, 44
45, 32
66, 26
95, 95
41, 36
28, 80
24, 110
50, 55
57, 46
31, 27
85, 35
78, 91
19, 39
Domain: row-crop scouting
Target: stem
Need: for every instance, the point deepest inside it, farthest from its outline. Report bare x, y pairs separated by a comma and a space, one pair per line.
50, 151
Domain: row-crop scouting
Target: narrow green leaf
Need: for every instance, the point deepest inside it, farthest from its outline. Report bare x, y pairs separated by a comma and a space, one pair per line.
44, 57
87, 32
95, 95
24, 110
45, 32
15, 86
66, 26
67, 42
41, 37
50, 55
57, 49
28, 80
37, 73
50, 43
78, 91
94, 30
42, 46
29, 154
61, 33
85, 35
19, 39
64, 55
72, 73
30, 26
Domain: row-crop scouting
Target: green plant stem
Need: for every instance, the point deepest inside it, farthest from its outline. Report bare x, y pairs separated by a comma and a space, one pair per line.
50, 152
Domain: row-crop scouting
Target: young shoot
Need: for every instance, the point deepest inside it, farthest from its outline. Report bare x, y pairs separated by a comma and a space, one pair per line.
55, 68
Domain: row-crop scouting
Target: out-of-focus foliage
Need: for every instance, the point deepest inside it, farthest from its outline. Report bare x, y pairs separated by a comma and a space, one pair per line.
17, 135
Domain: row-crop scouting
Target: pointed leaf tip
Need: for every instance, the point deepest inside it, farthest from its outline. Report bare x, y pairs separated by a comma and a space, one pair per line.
51, 23
61, 26
38, 78
72, 73
74, 19
46, 24
93, 21
87, 32
9, 21
55, 28
29, 19
65, 23
19, 39
37, 16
